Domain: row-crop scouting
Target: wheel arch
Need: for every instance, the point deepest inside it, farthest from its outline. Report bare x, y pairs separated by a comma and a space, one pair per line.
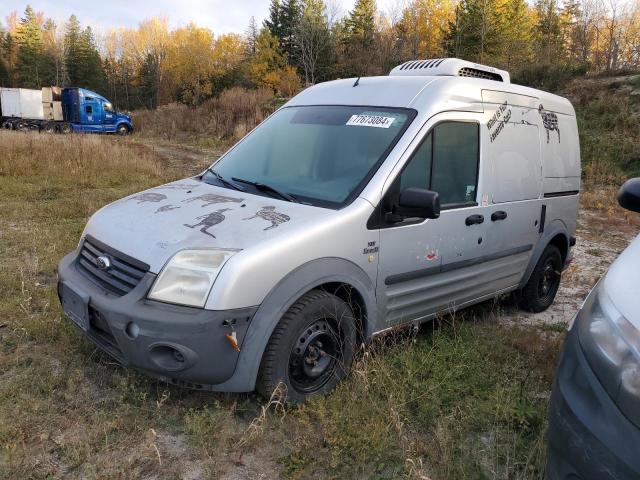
341, 277
555, 233
125, 124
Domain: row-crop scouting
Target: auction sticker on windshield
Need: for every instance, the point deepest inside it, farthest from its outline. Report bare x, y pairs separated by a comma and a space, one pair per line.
378, 121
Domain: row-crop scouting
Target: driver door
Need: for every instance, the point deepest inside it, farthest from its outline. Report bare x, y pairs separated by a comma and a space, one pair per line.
430, 265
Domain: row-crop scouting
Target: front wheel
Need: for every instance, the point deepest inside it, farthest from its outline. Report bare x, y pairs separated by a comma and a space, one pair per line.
311, 349
122, 130
540, 291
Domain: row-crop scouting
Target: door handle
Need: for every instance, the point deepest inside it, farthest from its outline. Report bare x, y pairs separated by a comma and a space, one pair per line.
499, 215
474, 219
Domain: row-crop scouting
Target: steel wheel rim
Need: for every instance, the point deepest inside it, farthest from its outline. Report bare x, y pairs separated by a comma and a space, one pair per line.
314, 357
549, 280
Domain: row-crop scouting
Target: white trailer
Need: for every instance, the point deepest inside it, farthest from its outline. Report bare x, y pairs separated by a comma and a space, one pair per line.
21, 103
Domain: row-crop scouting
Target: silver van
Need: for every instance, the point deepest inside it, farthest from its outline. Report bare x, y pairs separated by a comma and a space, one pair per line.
359, 206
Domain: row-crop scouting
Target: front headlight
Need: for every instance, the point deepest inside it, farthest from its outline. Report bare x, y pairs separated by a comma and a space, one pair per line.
189, 276
612, 347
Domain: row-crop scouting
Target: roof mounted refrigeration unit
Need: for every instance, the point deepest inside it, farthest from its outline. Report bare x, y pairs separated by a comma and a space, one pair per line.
450, 67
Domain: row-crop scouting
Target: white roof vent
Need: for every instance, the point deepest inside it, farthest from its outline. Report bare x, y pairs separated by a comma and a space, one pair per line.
450, 67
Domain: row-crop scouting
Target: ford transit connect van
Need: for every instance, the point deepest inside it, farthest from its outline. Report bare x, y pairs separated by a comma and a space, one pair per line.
359, 206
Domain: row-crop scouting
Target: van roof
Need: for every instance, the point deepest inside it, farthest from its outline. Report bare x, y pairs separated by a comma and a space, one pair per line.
427, 94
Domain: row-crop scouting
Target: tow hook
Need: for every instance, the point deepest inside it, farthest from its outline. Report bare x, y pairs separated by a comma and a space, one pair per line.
232, 337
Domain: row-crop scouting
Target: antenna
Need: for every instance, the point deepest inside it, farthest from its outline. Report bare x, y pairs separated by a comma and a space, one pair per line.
357, 82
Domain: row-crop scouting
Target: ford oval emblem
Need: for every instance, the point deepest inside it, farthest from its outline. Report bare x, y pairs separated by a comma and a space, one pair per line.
103, 263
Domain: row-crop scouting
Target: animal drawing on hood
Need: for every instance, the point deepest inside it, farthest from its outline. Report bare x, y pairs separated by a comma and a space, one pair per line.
269, 214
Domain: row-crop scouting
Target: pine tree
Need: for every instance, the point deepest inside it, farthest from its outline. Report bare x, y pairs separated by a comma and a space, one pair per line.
30, 50
92, 73
50, 61
81, 58
252, 37
4, 68
274, 22
475, 33
72, 53
549, 32
290, 15
357, 34
361, 23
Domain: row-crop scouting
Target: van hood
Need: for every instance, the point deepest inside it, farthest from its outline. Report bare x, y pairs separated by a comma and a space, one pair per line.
153, 225
621, 283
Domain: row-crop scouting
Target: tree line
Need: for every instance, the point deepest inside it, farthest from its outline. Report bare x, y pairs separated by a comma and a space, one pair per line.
303, 42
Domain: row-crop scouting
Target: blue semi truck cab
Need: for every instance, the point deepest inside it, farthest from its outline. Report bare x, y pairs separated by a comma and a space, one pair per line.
88, 112
61, 110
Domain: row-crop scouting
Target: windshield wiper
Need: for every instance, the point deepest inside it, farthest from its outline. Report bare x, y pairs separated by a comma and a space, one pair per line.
224, 180
267, 188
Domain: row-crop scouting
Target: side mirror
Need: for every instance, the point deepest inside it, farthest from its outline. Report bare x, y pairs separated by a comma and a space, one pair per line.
418, 203
629, 195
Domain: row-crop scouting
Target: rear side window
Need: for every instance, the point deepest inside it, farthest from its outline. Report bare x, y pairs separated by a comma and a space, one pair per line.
446, 162
88, 109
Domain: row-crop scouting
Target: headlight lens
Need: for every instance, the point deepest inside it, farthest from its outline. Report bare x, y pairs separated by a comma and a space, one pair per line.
612, 347
189, 276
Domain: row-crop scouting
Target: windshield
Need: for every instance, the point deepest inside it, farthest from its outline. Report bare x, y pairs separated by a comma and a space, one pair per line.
321, 155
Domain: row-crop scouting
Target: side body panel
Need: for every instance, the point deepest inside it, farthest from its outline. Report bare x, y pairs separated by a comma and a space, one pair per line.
443, 263
21, 103
71, 105
514, 182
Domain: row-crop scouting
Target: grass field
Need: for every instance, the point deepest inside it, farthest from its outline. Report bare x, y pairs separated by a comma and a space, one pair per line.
463, 398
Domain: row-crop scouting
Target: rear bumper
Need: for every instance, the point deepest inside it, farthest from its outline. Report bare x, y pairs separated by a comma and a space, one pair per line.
182, 345
589, 438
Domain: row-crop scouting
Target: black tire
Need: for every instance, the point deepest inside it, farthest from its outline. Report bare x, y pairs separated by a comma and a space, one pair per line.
49, 128
8, 124
65, 128
122, 130
540, 291
311, 349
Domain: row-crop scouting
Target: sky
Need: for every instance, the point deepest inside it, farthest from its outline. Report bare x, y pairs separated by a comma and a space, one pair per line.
221, 16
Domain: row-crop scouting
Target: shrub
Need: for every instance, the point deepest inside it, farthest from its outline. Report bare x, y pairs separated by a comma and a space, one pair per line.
551, 78
227, 117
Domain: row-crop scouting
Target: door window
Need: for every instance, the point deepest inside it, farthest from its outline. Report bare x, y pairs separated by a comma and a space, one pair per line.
446, 162
88, 109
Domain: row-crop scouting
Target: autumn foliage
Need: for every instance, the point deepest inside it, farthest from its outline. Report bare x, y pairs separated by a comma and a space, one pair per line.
302, 42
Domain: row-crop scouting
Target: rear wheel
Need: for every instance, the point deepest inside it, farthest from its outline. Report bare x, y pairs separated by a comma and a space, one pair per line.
540, 291
311, 349
49, 128
65, 128
122, 129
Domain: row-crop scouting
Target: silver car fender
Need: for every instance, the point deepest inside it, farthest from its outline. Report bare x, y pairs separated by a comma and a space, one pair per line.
285, 293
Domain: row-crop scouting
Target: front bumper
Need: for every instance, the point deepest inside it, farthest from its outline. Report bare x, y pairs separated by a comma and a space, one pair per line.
589, 438
182, 345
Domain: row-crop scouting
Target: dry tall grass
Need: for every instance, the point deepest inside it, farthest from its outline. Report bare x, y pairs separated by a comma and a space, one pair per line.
73, 159
230, 116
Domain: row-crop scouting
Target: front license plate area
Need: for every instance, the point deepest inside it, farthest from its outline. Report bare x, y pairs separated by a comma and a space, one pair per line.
75, 305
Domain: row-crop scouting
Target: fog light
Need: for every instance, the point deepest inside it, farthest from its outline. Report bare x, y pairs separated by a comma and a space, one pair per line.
172, 357
178, 357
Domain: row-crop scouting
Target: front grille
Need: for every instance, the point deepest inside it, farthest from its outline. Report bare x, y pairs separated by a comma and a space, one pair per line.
120, 278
